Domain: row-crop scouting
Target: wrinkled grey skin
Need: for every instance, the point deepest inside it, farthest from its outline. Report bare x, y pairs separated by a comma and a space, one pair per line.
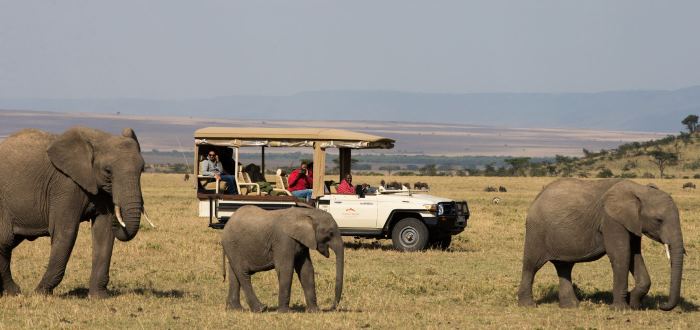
50, 183
574, 221
256, 240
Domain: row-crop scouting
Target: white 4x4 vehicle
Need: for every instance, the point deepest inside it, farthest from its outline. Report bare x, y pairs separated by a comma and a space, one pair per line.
412, 219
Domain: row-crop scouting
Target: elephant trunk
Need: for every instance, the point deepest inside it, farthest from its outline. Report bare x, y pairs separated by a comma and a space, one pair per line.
338, 249
128, 207
677, 251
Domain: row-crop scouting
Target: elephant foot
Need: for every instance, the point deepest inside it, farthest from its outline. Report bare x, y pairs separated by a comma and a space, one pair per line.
259, 308
568, 303
619, 306
526, 302
233, 307
43, 291
11, 289
312, 309
636, 300
283, 309
98, 294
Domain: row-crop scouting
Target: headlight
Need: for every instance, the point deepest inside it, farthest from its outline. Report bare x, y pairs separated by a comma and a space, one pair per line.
440, 209
431, 207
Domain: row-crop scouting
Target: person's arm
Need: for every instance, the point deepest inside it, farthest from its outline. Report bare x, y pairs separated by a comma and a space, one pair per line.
293, 178
219, 166
204, 168
309, 179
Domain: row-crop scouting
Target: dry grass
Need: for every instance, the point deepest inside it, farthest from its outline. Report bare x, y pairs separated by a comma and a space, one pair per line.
170, 277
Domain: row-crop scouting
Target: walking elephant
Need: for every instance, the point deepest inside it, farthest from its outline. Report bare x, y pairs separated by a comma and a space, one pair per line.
256, 240
50, 183
574, 221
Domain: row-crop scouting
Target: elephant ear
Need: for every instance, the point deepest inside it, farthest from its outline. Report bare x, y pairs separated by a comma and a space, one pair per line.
128, 132
72, 154
623, 206
301, 230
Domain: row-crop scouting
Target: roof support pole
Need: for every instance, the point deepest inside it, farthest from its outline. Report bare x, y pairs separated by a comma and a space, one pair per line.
195, 167
262, 160
344, 162
319, 170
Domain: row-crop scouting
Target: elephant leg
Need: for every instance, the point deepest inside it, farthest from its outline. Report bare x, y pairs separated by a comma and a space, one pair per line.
285, 271
233, 301
616, 240
244, 281
7, 243
102, 244
62, 242
531, 264
567, 296
642, 281
305, 271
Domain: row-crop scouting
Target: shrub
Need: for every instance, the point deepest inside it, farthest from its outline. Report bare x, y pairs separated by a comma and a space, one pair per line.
605, 173
404, 173
648, 175
630, 164
628, 175
696, 176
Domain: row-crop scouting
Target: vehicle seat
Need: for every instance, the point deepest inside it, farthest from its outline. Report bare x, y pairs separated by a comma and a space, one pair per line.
281, 184
245, 187
211, 184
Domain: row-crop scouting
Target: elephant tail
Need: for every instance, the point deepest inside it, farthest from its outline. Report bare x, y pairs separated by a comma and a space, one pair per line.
223, 262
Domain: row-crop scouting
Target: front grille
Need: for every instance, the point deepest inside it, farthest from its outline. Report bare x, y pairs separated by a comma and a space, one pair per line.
449, 208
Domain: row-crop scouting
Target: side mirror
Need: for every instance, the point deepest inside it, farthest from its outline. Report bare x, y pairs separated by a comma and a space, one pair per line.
360, 191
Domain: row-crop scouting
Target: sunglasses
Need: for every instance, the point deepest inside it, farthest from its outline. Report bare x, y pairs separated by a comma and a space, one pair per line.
212, 155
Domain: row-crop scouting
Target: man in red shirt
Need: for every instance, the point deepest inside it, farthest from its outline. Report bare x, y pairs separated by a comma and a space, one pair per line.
345, 187
300, 182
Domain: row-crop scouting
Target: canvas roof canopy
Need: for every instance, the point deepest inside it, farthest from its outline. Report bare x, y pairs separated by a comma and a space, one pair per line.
289, 137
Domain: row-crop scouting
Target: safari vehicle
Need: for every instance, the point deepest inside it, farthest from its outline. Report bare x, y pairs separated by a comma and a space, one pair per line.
413, 219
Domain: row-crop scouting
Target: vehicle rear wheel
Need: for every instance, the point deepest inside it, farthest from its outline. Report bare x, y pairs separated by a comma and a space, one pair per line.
410, 234
441, 243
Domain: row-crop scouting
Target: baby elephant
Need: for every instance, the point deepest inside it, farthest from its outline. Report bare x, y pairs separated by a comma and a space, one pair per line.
256, 240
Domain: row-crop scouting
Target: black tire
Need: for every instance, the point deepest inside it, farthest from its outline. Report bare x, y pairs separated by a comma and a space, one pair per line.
441, 243
410, 234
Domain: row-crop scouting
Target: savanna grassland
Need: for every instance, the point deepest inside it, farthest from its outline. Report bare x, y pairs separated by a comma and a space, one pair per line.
170, 277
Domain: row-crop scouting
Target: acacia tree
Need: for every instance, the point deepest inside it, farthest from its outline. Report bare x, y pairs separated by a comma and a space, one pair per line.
518, 165
389, 168
662, 159
691, 122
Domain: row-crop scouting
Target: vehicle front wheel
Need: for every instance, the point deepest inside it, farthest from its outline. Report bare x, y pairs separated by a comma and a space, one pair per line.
410, 234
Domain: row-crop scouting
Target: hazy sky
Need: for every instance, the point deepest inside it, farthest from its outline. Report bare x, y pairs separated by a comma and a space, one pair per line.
186, 49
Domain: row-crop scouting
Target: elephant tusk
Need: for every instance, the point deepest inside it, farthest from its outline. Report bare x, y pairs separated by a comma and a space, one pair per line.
668, 253
118, 213
147, 219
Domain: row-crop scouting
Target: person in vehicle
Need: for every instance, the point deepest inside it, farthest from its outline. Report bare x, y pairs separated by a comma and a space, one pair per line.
345, 187
211, 166
301, 181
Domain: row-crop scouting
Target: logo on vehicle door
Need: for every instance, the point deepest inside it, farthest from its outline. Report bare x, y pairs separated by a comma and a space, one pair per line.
350, 211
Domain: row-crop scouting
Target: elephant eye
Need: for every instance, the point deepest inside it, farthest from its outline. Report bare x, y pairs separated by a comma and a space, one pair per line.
108, 170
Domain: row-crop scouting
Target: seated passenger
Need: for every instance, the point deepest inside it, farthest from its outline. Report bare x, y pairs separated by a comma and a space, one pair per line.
211, 166
301, 181
345, 187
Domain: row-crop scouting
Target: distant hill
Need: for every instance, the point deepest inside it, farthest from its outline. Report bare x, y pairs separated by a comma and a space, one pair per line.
168, 133
633, 160
654, 110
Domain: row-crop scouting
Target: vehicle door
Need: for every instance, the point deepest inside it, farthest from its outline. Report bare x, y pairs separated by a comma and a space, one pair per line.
351, 211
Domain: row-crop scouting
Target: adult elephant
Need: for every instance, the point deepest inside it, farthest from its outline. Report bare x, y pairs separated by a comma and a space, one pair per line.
256, 240
50, 183
574, 221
